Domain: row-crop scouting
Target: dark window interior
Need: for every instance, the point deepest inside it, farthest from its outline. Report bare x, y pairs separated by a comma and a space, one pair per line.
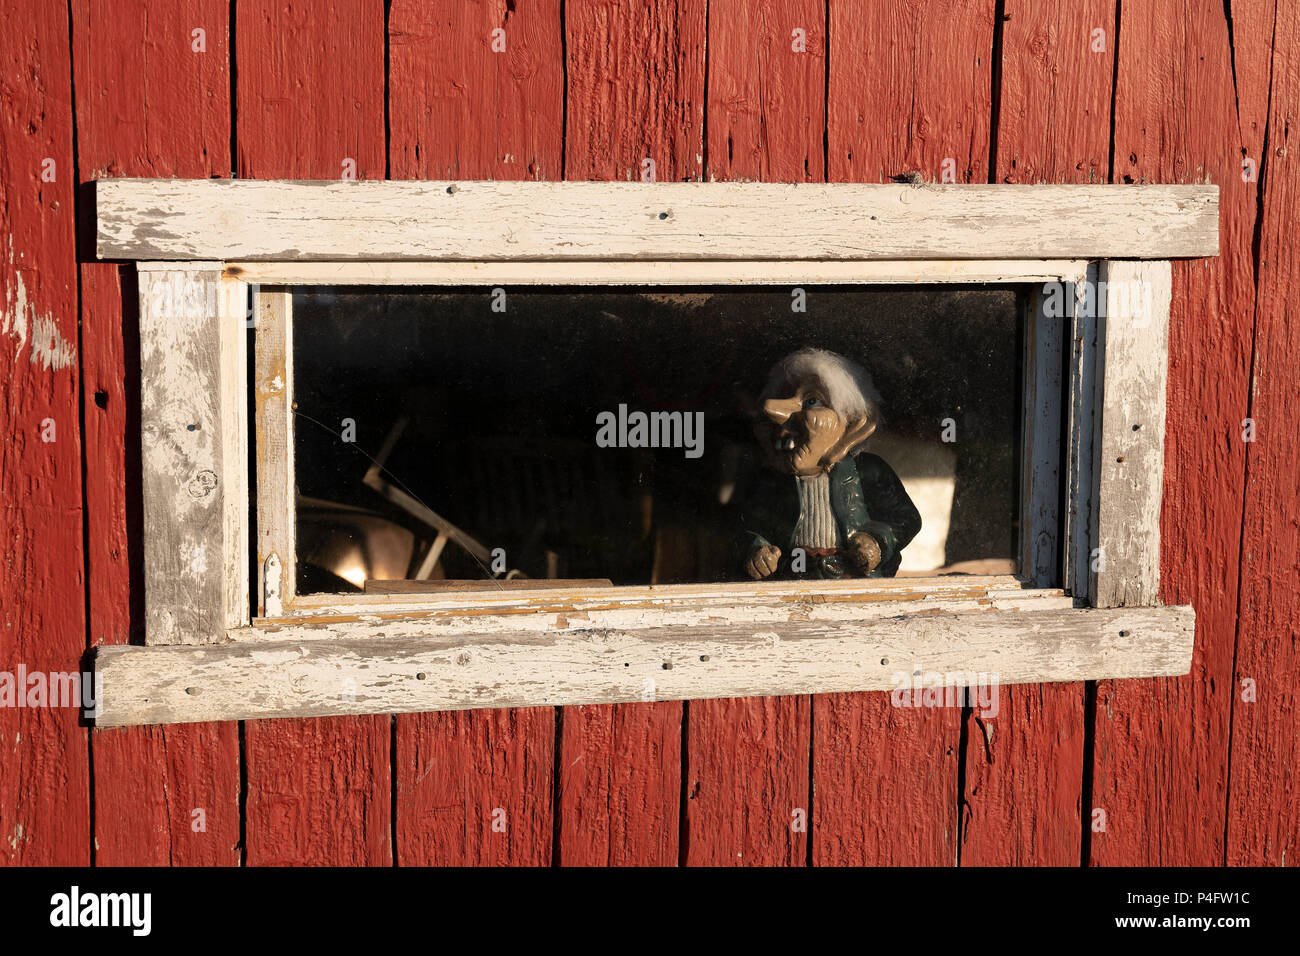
498, 412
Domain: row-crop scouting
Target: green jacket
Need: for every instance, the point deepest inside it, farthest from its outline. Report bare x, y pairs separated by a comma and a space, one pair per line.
866, 495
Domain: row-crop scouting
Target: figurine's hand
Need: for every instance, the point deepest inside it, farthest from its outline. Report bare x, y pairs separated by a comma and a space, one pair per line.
763, 561
864, 551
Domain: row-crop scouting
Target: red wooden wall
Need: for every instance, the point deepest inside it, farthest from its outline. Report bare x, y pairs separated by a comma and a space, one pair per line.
1195, 770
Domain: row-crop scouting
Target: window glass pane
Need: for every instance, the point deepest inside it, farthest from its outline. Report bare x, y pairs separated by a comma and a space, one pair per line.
527, 420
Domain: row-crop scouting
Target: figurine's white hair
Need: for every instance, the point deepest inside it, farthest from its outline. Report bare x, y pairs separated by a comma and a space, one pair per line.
849, 388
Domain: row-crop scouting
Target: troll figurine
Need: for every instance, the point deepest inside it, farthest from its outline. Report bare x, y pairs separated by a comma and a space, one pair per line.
820, 510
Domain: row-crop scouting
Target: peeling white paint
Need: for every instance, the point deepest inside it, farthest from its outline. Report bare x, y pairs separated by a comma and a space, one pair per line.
48, 347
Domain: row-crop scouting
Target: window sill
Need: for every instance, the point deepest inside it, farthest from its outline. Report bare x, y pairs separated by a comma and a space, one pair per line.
537, 648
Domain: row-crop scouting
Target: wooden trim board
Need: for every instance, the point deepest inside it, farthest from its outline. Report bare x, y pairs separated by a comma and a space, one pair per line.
1129, 465
193, 361
606, 665
165, 219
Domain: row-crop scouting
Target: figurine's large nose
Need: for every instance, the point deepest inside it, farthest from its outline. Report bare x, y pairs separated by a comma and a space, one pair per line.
780, 409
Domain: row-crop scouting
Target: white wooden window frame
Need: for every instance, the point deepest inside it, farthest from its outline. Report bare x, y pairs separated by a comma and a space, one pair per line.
201, 245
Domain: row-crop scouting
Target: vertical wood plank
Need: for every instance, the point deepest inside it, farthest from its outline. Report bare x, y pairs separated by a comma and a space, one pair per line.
910, 87
635, 92
277, 545
44, 778
635, 89
476, 787
310, 95
192, 396
747, 760
458, 109
1129, 462
909, 92
1263, 803
149, 781
1024, 768
1183, 114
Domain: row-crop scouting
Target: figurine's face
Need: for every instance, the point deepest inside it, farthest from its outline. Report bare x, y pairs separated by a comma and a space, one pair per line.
800, 433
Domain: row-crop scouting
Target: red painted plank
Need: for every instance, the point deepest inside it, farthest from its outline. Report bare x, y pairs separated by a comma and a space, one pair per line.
1263, 799
747, 781
767, 90
635, 89
1024, 766
635, 92
460, 109
44, 779
1181, 115
620, 785
910, 86
747, 760
474, 788
319, 792
885, 782
310, 105
909, 89
149, 781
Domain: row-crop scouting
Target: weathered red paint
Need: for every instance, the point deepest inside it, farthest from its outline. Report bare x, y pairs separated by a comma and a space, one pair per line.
310, 104
44, 775
1160, 770
1263, 809
1024, 768
475, 787
635, 92
910, 92
747, 761
162, 795
1187, 770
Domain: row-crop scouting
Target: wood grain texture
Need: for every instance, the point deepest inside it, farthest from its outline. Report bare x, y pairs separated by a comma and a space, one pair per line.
1129, 459
273, 439
635, 91
1055, 91
382, 668
747, 760
310, 94
44, 777
909, 87
319, 792
468, 111
623, 272
1263, 801
454, 770
310, 90
619, 784
767, 90
391, 221
475, 788
148, 781
194, 442
1024, 768
1182, 114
